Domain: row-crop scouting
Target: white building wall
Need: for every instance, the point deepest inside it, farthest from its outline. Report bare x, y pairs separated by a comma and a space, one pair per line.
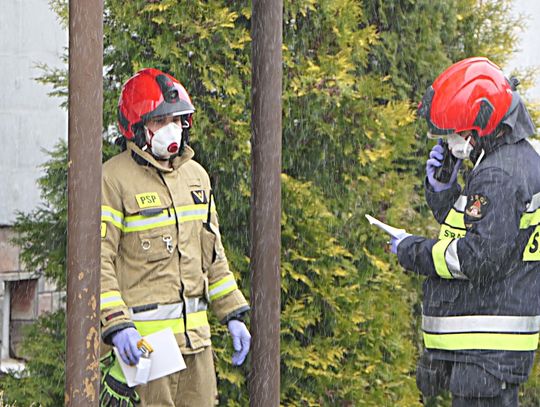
30, 120
529, 50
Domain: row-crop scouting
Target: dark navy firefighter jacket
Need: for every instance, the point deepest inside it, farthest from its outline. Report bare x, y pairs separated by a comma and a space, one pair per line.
481, 298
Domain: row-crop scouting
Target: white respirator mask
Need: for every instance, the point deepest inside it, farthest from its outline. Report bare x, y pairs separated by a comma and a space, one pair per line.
460, 147
166, 141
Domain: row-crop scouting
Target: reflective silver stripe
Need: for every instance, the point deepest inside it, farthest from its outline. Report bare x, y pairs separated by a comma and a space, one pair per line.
534, 204
195, 305
222, 288
149, 221
452, 261
194, 212
104, 301
480, 323
112, 215
460, 203
168, 311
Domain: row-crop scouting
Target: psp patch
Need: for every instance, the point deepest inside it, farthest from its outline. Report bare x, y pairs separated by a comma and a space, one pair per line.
476, 206
199, 197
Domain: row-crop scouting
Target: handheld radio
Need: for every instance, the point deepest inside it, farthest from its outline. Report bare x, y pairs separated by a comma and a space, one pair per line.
444, 172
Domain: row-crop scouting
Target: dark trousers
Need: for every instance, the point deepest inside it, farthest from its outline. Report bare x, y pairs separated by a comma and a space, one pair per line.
469, 384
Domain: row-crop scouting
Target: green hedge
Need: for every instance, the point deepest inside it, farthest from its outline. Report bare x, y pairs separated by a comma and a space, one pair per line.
354, 72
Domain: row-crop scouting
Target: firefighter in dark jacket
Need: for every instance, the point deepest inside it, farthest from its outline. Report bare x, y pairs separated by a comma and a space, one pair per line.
481, 297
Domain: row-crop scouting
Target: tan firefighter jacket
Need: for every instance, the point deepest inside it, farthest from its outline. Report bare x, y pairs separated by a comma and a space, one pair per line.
162, 262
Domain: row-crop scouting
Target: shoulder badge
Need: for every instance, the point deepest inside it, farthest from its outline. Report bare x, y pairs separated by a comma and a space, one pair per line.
476, 206
199, 197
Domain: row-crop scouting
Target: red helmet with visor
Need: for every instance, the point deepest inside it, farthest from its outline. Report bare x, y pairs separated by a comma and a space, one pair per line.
151, 93
472, 94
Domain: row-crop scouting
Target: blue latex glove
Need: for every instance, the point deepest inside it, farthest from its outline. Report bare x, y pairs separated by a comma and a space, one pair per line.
126, 343
395, 241
241, 339
435, 161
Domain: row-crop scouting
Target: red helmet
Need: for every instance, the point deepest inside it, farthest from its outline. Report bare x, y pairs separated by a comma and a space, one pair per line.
472, 94
151, 93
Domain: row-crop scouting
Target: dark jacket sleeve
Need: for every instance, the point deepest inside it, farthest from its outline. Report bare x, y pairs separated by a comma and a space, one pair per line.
414, 254
492, 229
440, 203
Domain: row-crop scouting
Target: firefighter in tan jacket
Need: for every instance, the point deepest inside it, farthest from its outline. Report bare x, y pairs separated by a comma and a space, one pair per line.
162, 260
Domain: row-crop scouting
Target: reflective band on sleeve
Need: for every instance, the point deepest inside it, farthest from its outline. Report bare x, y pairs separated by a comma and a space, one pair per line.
109, 214
481, 323
454, 223
532, 249
460, 203
196, 320
111, 299
439, 260
455, 219
482, 341
148, 327
222, 287
531, 217
452, 261
449, 232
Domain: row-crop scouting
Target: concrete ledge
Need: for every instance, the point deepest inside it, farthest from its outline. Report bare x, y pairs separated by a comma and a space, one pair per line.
18, 275
14, 366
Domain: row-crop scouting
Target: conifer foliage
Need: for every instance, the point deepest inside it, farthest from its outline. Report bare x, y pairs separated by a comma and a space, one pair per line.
353, 74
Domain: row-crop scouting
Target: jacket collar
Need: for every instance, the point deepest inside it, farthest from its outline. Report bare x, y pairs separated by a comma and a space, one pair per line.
145, 158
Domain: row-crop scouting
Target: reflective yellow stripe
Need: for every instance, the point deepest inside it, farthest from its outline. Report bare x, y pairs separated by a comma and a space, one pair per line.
109, 294
448, 232
532, 250
192, 212
167, 217
222, 287
482, 341
439, 261
529, 219
148, 327
194, 321
455, 219
109, 214
197, 320
116, 213
111, 299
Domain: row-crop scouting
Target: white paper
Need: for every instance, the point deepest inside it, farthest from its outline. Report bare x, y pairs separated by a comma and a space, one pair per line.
143, 371
166, 357
392, 231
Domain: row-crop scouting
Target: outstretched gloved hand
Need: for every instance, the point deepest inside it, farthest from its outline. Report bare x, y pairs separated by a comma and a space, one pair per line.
241, 341
434, 161
114, 391
395, 241
126, 343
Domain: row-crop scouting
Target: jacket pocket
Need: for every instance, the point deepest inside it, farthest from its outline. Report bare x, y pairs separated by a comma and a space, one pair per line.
157, 245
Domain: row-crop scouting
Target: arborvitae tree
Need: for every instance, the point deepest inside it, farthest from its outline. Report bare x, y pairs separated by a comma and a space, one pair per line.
354, 72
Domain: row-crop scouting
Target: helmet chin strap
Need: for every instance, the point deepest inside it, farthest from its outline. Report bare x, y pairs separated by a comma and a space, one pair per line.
487, 143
